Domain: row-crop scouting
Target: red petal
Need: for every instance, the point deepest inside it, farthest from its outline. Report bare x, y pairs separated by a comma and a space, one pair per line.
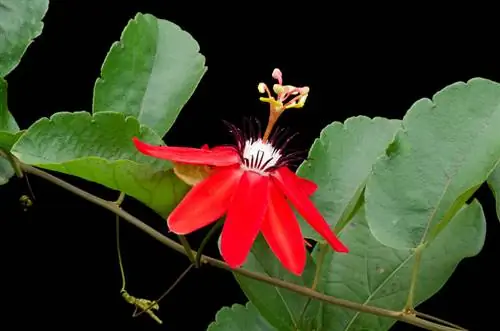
205, 202
285, 179
218, 148
227, 149
308, 186
189, 155
282, 232
244, 218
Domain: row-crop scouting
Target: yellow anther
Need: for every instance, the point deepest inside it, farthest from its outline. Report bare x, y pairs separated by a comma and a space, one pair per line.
278, 89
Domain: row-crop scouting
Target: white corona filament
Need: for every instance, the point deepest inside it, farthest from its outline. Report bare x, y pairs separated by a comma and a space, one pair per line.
259, 156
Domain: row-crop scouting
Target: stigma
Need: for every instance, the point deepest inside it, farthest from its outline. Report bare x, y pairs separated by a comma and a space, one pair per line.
260, 156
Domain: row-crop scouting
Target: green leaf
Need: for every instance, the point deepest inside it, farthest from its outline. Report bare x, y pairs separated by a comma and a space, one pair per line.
9, 133
151, 73
7, 139
445, 151
239, 318
6, 171
281, 308
20, 23
340, 161
7, 121
99, 148
377, 275
494, 184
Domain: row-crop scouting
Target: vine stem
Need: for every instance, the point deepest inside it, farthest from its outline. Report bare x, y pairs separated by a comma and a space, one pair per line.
111, 206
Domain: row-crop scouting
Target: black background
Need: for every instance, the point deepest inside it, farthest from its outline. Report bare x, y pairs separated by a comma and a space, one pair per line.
59, 265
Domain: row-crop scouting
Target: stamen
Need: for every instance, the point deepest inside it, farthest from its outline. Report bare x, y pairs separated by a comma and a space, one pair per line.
278, 105
278, 76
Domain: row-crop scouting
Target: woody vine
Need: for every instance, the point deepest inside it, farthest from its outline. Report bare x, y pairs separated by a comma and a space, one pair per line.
373, 222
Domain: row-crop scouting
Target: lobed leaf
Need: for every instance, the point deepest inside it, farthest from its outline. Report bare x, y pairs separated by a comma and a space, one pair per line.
239, 318
446, 149
20, 23
99, 148
150, 73
377, 275
340, 161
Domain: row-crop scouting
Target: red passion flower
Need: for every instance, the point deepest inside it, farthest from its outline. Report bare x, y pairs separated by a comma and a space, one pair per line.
252, 185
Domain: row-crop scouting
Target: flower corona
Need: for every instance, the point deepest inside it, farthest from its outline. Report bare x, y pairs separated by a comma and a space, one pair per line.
252, 185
